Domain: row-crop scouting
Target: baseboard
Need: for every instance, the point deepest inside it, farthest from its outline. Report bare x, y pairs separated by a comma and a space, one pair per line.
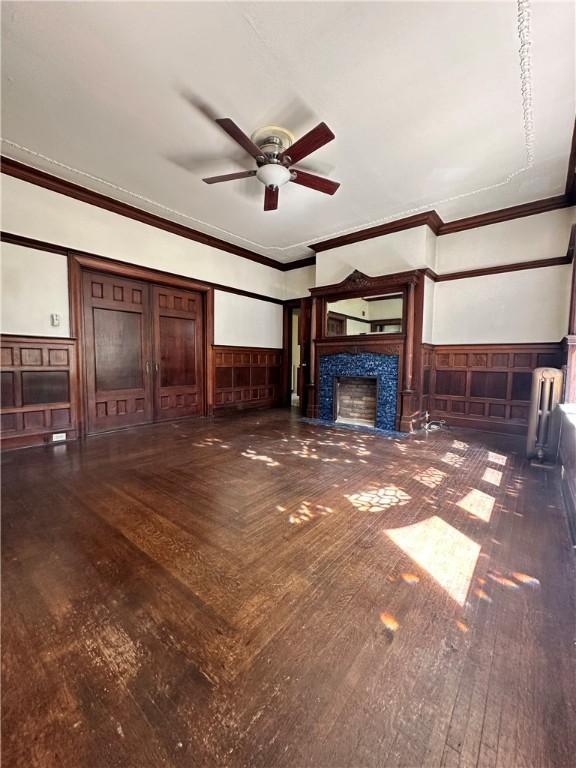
14, 442
486, 425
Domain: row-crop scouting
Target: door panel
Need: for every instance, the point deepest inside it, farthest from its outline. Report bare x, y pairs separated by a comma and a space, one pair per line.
178, 353
119, 363
118, 352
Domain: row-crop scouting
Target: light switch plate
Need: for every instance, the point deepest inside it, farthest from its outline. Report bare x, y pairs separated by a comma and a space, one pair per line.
55, 320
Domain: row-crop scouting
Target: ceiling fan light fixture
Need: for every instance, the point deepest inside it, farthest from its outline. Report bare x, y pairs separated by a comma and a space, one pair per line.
273, 175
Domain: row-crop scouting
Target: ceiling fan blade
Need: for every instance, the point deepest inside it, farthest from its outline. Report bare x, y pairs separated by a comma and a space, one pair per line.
229, 177
270, 199
309, 143
239, 136
315, 182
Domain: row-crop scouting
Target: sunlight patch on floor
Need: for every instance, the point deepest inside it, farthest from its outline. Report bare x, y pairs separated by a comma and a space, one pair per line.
478, 503
492, 476
307, 512
453, 459
430, 477
447, 555
249, 454
378, 499
497, 458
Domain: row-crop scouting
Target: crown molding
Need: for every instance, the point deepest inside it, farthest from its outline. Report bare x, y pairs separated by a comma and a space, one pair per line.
56, 184
505, 214
430, 218
498, 270
439, 227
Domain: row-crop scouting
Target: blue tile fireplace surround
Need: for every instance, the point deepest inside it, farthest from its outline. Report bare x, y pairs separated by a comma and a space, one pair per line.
384, 368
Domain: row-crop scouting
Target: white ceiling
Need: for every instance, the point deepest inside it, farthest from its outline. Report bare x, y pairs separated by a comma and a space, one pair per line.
424, 98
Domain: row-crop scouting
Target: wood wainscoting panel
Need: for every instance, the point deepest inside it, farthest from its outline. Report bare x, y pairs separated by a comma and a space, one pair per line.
247, 377
485, 386
39, 390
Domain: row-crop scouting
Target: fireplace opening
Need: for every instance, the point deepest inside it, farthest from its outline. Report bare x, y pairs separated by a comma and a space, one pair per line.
355, 400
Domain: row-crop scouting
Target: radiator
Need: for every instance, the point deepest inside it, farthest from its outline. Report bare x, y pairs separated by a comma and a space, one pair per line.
543, 421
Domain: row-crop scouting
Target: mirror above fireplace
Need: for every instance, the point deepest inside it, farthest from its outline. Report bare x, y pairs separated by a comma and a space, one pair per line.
365, 315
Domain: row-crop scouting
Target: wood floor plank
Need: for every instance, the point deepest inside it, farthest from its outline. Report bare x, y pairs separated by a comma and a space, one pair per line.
260, 591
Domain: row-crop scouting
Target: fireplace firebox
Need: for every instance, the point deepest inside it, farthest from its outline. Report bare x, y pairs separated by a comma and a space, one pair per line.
355, 399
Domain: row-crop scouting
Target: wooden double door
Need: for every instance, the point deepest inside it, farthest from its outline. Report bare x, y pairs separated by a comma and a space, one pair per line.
144, 352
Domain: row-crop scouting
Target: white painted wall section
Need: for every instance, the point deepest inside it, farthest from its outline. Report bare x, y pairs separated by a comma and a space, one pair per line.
428, 311
397, 252
299, 281
34, 286
526, 306
245, 322
544, 236
45, 215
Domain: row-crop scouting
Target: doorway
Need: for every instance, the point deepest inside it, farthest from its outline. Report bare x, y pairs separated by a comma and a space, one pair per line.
295, 360
144, 351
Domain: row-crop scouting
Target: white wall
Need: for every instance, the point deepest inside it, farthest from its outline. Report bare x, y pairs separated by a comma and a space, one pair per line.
34, 286
35, 282
544, 236
297, 282
428, 311
242, 321
44, 215
397, 252
523, 306
527, 306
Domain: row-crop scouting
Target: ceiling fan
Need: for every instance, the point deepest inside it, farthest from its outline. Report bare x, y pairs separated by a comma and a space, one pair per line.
275, 150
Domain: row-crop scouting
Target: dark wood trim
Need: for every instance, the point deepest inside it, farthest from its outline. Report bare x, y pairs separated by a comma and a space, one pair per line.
439, 227
570, 191
358, 284
498, 270
429, 219
505, 214
167, 278
28, 242
56, 184
308, 261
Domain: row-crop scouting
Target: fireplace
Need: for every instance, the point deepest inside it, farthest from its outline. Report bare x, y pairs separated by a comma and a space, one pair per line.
375, 370
355, 400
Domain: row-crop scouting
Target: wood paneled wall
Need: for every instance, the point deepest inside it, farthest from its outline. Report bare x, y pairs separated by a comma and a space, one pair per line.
568, 461
247, 377
39, 386
484, 386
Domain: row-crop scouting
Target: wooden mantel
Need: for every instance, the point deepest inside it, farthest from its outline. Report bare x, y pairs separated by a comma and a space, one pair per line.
407, 344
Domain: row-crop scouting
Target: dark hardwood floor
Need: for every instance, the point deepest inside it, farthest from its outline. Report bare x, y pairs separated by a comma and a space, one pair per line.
258, 591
